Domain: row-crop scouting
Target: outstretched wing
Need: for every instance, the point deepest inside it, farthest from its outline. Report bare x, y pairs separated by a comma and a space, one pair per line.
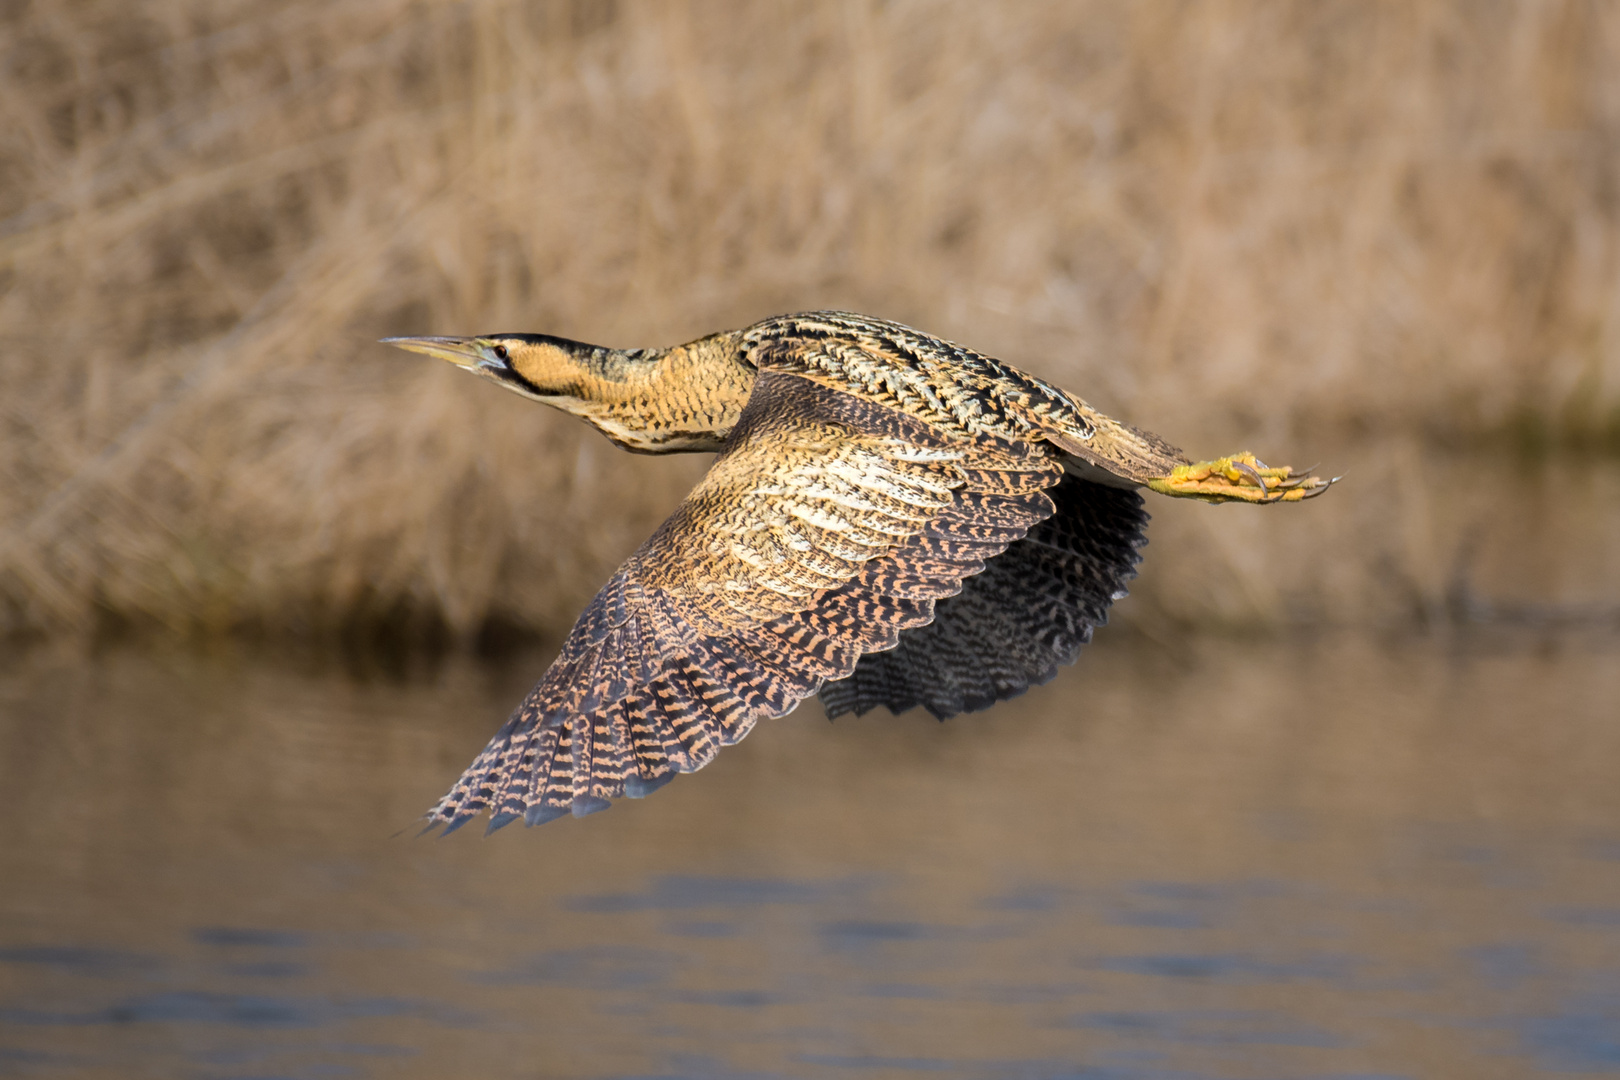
1015, 624
828, 526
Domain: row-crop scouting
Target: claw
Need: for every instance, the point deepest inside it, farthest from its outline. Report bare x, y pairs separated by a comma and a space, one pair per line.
1250, 471
1314, 492
1295, 477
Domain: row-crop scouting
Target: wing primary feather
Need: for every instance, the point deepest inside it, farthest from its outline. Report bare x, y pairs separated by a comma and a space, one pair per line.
637, 788
501, 820
540, 813
586, 805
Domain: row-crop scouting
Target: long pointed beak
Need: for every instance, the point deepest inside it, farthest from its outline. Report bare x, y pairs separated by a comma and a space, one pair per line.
462, 352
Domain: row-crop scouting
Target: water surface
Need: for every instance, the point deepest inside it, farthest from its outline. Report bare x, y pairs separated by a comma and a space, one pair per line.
1330, 857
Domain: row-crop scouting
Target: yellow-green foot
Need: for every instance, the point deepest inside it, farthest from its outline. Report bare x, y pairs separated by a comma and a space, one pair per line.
1241, 477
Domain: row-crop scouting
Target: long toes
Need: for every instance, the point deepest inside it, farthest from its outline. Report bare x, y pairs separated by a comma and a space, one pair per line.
1249, 470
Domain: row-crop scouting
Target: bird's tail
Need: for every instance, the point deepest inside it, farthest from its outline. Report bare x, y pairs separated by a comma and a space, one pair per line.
1116, 452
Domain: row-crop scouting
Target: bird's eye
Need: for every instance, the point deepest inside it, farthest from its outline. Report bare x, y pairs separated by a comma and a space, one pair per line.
499, 351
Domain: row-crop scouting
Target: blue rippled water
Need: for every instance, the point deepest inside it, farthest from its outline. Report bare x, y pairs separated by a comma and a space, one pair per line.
1391, 862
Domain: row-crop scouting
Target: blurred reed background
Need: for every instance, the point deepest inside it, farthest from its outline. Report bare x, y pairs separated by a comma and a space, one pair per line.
1379, 234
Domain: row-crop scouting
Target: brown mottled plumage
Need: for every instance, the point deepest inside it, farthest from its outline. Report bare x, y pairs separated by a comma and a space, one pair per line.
892, 520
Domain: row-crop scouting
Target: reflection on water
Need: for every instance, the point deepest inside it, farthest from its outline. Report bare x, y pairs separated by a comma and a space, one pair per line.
1222, 858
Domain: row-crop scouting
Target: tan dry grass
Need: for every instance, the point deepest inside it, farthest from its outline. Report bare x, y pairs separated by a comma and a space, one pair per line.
1237, 223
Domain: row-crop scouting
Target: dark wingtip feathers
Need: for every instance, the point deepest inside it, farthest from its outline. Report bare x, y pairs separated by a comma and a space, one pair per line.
501, 821
586, 805
637, 788
457, 822
539, 814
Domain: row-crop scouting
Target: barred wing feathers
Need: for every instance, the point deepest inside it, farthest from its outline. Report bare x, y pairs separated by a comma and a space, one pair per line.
829, 526
1015, 624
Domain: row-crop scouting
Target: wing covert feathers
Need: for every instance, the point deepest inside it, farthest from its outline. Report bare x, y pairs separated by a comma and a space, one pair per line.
830, 526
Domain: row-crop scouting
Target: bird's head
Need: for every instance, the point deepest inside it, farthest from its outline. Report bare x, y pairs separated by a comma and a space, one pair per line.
554, 370
651, 401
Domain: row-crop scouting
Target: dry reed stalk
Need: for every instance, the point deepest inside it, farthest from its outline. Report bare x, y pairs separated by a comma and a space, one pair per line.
1237, 223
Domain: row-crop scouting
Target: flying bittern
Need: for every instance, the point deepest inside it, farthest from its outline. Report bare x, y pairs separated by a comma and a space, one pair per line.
892, 520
